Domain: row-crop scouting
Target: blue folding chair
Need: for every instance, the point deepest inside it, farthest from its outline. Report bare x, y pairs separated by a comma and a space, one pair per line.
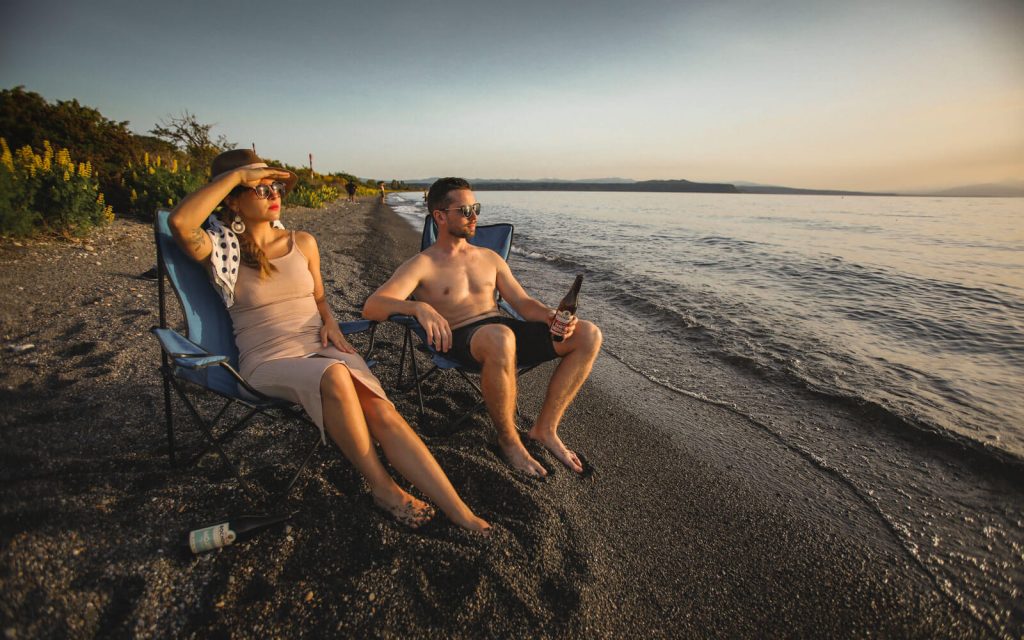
207, 361
498, 238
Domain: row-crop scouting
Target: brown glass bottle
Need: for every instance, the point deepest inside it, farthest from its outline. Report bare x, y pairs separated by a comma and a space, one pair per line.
566, 310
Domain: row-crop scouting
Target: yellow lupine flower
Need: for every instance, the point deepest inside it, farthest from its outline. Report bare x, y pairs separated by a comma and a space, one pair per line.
67, 176
27, 158
158, 160
152, 171
47, 155
134, 196
174, 166
63, 158
5, 155
145, 158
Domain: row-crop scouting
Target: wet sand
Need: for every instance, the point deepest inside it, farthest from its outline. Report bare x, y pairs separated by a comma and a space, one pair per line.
671, 532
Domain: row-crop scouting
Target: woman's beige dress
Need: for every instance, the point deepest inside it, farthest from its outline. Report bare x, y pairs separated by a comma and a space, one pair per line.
277, 330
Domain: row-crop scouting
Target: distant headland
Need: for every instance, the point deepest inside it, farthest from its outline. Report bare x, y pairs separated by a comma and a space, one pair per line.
1005, 190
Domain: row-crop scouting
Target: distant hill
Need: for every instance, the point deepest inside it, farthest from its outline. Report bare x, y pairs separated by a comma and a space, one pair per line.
769, 189
623, 184
473, 181
1001, 190
989, 190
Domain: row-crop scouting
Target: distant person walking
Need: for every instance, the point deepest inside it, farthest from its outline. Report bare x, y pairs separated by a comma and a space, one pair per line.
383, 192
351, 188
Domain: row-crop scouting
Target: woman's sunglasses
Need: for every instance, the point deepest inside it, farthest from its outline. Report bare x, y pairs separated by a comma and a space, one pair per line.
263, 191
466, 210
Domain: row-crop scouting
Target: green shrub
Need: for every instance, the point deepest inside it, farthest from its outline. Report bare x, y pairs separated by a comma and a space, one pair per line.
156, 183
313, 197
26, 118
48, 192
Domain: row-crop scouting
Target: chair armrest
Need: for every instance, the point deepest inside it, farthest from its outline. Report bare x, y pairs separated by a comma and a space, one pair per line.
507, 308
183, 351
356, 326
406, 321
198, 362
411, 324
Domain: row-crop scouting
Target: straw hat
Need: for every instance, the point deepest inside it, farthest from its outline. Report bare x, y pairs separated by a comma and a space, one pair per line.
245, 159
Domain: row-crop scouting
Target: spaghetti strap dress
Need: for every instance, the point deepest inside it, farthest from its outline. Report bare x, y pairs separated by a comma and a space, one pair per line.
277, 330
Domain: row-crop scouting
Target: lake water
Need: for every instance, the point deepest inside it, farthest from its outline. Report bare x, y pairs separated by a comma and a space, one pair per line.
912, 305
875, 337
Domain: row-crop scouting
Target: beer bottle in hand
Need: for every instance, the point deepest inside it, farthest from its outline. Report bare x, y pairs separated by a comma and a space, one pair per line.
566, 310
231, 530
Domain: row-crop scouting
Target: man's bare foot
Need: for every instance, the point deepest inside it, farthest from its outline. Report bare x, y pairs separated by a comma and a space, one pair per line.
406, 509
516, 455
558, 449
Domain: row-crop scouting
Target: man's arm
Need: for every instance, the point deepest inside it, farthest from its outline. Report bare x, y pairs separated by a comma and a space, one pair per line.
391, 299
514, 294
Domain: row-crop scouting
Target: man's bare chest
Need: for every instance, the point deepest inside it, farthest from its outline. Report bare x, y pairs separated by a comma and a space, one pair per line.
455, 283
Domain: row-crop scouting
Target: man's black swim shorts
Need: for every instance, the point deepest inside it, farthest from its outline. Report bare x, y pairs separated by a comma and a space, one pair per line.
533, 341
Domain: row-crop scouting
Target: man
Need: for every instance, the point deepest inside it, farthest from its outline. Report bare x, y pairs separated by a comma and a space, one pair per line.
454, 283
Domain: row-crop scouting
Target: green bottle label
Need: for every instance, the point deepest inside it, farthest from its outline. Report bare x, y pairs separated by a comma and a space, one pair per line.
210, 538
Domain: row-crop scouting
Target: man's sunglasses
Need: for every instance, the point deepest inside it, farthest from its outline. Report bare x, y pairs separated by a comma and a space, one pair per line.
263, 191
466, 210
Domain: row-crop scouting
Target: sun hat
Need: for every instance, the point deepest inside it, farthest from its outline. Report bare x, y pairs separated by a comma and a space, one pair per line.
245, 159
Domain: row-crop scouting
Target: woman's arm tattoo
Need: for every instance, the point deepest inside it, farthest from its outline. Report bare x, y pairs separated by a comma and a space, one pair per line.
196, 239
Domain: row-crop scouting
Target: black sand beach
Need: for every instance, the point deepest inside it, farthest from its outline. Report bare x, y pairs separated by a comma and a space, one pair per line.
719, 532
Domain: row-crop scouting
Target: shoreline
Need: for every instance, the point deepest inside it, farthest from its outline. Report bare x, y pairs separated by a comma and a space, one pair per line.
709, 530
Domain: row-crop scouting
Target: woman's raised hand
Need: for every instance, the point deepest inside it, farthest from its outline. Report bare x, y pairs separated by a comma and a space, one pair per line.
252, 177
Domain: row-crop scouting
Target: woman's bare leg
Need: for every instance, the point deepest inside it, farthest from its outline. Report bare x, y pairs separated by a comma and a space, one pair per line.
345, 423
413, 460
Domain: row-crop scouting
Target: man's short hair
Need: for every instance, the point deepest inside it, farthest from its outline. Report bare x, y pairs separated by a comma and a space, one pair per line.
437, 197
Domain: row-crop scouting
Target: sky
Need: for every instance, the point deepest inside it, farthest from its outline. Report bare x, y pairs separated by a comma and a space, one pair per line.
865, 95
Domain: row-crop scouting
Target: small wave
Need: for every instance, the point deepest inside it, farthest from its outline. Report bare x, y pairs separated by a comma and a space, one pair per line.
533, 255
558, 261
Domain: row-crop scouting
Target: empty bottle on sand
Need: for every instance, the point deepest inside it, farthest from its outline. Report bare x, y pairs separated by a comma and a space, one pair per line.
566, 310
232, 530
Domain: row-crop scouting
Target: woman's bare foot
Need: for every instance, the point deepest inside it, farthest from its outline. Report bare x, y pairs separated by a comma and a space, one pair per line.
406, 509
558, 449
516, 455
473, 523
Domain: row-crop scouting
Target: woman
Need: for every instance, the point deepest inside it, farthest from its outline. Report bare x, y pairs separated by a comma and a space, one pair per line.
289, 343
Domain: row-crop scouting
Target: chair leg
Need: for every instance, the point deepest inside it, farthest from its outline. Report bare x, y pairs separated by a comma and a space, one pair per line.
168, 413
215, 444
282, 495
416, 378
401, 361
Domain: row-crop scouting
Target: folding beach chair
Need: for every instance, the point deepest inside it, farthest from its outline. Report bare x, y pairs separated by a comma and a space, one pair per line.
207, 362
497, 237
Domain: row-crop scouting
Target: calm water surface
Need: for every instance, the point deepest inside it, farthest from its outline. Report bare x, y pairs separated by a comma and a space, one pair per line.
912, 304
863, 333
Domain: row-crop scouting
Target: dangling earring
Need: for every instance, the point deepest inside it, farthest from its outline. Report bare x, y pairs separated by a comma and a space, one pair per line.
237, 225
